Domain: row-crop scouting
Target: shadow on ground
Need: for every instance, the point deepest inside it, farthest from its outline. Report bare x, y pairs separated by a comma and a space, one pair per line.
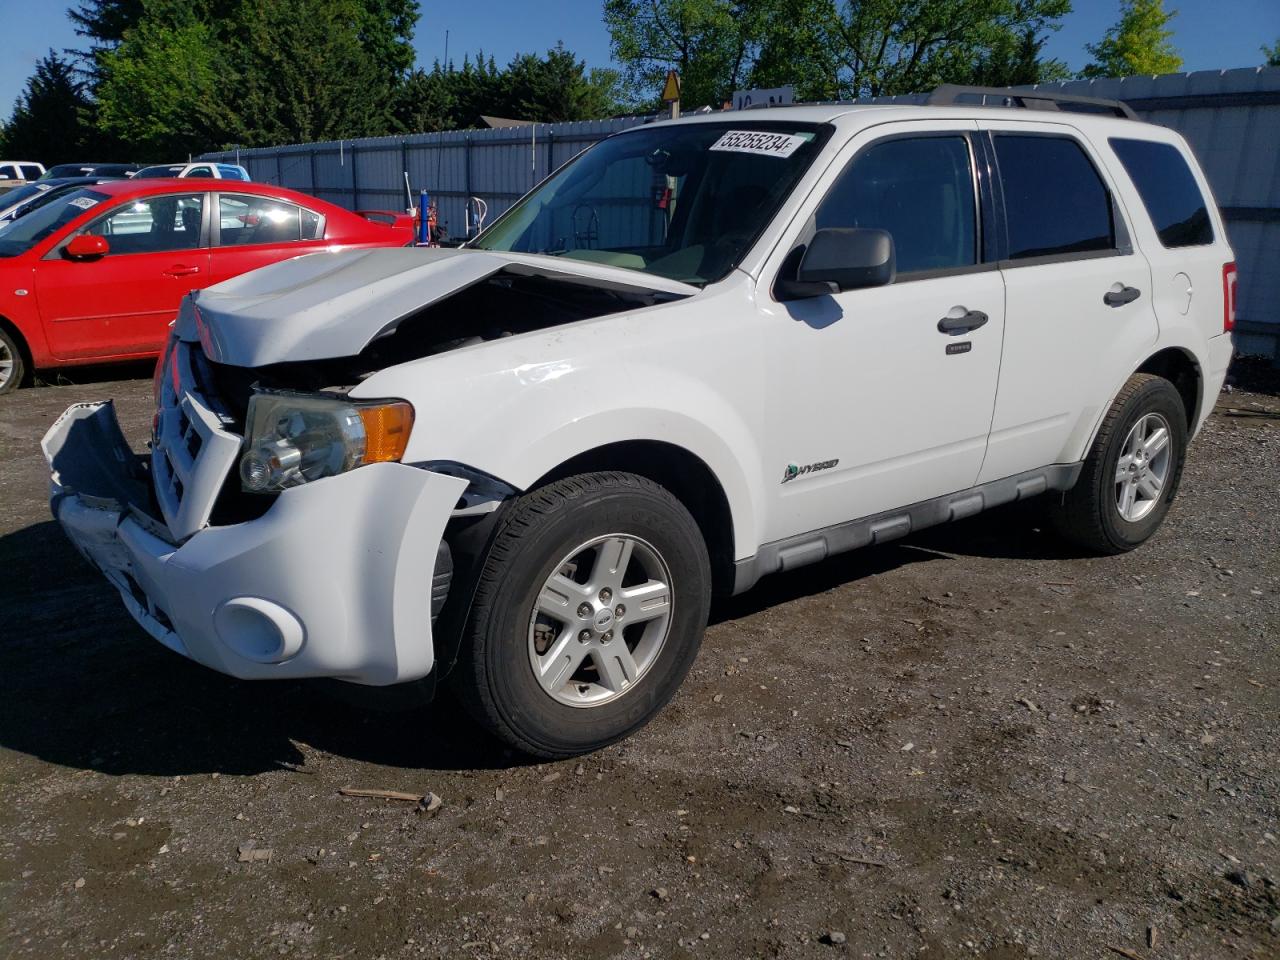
81, 685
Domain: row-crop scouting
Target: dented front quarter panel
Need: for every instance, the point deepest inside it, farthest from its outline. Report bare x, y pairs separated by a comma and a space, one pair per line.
518, 407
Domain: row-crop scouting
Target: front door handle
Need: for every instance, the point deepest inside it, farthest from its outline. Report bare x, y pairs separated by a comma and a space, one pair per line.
961, 320
181, 271
1119, 295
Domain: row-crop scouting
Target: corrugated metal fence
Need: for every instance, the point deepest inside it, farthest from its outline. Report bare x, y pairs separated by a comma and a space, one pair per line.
499, 166
1230, 117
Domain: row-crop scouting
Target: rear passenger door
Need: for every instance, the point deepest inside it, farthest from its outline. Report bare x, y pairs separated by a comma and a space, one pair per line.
252, 231
1077, 296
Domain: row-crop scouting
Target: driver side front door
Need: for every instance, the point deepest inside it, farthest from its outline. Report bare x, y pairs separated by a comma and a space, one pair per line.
875, 405
120, 305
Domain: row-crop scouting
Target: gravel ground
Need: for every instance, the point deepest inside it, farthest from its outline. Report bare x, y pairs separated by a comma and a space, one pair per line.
970, 743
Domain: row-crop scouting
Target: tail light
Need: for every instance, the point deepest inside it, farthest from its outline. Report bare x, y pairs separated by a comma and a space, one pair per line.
1228, 297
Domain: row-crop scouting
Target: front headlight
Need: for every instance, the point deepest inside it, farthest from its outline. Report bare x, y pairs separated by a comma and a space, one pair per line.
294, 438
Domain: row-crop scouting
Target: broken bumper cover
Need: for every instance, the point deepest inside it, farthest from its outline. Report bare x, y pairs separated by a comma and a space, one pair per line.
334, 580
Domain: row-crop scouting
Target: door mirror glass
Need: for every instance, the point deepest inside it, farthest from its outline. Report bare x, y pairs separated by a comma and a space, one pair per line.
87, 246
841, 258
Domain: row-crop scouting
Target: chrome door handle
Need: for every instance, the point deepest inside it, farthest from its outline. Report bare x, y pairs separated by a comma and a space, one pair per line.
961, 320
1118, 298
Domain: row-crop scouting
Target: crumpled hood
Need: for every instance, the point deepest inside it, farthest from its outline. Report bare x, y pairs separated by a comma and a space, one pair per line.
334, 304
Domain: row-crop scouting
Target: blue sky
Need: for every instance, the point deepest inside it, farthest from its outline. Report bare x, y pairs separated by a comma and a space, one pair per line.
1210, 33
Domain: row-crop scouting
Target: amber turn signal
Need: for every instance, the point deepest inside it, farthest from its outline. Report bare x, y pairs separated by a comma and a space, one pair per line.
386, 431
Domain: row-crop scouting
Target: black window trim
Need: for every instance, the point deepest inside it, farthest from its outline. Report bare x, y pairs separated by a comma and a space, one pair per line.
55, 252
215, 230
980, 173
1119, 227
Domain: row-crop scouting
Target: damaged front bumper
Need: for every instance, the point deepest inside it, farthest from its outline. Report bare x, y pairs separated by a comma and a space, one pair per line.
334, 580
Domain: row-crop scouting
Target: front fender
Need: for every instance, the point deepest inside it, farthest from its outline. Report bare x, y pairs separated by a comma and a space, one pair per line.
518, 421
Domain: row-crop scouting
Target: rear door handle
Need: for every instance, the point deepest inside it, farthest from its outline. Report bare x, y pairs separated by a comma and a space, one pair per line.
181, 271
1119, 297
961, 320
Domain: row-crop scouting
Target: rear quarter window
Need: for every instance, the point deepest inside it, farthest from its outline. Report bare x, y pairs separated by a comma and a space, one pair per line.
1169, 191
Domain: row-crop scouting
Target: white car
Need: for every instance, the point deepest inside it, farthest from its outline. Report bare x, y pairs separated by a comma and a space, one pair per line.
701, 352
215, 171
15, 173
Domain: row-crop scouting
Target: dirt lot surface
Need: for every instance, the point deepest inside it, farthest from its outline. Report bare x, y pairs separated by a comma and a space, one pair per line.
972, 743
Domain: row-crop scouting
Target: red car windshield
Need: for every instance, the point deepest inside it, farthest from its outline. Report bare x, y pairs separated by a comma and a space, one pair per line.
19, 236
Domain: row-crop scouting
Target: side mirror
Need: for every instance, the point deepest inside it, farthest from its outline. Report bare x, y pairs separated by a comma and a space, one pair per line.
87, 246
841, 258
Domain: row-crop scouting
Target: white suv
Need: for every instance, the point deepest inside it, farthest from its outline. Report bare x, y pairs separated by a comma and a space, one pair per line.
701, 352
213, 171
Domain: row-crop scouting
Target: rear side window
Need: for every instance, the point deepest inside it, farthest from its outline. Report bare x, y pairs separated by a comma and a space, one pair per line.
248, 219
1169, 191
1055, 202
920, 191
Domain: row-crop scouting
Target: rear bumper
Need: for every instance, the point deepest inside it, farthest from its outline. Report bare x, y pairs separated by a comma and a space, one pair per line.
334, 580
1221, 350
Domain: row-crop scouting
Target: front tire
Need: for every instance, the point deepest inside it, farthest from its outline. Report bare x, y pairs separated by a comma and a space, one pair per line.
1131, 475
12, 366
587, 616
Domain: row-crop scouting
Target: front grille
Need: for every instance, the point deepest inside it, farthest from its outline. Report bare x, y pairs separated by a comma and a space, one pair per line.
194, 446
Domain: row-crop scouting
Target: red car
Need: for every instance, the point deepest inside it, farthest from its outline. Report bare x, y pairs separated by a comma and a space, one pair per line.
96, 275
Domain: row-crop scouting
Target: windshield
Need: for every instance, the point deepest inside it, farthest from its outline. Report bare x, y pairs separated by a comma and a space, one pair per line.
683, 201
68, 170
22, 195
20, 235
163, 170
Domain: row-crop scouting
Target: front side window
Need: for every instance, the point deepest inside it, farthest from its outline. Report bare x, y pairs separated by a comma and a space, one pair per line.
152, 224
229, 172
1168, 189
1055, 202
246, 219
31, 172
920, 190
684, 201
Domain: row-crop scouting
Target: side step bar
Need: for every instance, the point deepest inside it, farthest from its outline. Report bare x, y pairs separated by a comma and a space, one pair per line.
817, 545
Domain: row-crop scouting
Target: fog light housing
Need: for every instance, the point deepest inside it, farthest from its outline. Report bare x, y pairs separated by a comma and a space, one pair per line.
258, 629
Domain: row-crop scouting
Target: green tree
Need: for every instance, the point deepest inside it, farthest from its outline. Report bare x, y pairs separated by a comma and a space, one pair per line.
558, 87
1016, 60
305, 74
829, 48
49, 119
166, 91
1272, 53
1139, 44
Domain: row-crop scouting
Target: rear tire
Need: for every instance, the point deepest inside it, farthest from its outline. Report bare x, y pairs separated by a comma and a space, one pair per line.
1131, 475
13, 367
549, 664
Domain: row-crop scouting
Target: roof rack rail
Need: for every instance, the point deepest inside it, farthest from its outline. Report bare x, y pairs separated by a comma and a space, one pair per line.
955, 93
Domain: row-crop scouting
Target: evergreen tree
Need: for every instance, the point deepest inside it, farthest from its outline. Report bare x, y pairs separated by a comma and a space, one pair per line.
49, 120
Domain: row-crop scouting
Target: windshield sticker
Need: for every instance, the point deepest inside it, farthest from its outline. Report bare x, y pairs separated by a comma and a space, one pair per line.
764, 144
84, 203
42, 187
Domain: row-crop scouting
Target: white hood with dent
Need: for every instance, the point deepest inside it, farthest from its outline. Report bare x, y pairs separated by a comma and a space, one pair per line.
334, 304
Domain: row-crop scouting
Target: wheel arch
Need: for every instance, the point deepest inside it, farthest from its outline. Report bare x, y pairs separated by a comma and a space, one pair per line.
686, 475
1181, 368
